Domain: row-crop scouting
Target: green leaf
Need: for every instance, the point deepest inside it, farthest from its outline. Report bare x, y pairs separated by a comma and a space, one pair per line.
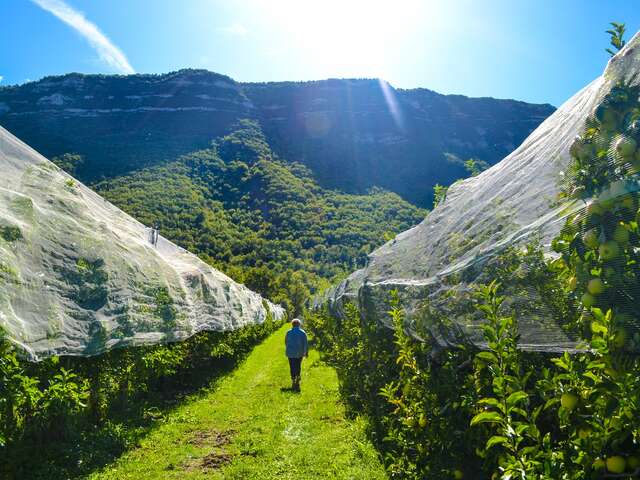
491, 402
551, 402
596, 365
560, 363
487, 357
486, 417
515, 398
519, 411
496, 440
592, 376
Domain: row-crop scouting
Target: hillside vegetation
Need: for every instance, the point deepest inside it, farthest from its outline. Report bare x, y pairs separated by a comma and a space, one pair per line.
342, 130
262, 220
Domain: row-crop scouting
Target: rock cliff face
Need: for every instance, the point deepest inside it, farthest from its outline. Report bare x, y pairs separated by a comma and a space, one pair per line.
353, 134
78, 276
513, 202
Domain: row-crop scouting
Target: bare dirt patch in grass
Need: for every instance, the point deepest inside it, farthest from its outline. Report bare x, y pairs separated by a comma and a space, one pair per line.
215, 459
212, 461
210, 438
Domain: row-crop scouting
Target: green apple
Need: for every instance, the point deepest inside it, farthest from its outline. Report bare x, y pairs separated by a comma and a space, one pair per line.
634, 167
576, 147
580, 149
607, 116
616, 464
608, 203
612, 372
609, 250
628, 202
572, 284
618, 189
584, 433
569, 401
610, 124
625, 146
619, 337
621, 234
591, 239
598, 464
595, 286
618, 94
458, 475
588, 300
594, 208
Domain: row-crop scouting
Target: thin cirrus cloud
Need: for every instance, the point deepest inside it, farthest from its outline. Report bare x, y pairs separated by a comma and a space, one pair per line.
107, 51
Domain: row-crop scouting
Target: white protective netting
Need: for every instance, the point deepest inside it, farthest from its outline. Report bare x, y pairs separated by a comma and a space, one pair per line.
78, 276
512, 203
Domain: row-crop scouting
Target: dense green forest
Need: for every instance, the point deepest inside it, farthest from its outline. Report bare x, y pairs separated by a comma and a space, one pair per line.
263, 221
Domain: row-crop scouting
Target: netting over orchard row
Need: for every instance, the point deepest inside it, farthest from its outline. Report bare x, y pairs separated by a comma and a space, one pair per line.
569, 191
79, 276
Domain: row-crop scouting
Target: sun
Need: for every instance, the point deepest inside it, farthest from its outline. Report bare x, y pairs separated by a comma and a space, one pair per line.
349, 37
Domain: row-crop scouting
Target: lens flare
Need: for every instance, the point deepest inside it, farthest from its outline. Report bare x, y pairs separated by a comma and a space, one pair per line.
392, 104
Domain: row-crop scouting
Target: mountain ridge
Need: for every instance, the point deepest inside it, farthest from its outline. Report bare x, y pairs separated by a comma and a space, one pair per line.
344, 130
268, 82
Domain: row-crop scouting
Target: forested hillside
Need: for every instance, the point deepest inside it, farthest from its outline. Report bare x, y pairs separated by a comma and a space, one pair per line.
284, 186
352, 134
264, 221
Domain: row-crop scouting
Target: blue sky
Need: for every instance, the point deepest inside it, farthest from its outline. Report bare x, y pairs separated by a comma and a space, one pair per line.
538, 51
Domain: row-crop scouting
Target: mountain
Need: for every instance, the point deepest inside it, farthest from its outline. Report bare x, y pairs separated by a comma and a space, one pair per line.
351, 134
78, 276
264, 221
283, 186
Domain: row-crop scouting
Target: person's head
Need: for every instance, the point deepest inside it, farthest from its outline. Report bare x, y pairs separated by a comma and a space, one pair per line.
295, 322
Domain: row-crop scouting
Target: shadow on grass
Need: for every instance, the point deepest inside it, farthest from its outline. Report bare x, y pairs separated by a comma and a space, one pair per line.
289, 390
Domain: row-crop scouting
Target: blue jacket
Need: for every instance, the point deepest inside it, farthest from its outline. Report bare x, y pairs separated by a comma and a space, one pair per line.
296, 343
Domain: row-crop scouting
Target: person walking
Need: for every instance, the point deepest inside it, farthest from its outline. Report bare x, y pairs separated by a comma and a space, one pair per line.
296, 347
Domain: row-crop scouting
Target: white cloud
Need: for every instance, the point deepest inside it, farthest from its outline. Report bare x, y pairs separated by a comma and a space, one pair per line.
108, 52
236, 29
1, 78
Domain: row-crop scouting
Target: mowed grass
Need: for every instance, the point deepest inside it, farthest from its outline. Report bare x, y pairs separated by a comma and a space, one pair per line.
250, 426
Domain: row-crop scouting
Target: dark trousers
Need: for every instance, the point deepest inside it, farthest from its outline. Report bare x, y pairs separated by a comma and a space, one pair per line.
294, 367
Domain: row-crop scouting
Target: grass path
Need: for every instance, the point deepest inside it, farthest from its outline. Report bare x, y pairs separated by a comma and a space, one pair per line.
249, 426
